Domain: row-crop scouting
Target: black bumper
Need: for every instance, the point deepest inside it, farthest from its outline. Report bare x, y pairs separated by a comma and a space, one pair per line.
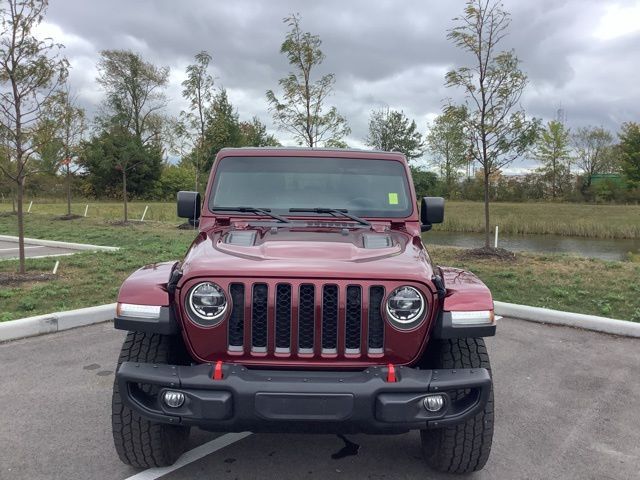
289, 400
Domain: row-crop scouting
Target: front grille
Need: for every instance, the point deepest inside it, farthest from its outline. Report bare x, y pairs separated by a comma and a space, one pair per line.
308, 320
259, 318
236, 320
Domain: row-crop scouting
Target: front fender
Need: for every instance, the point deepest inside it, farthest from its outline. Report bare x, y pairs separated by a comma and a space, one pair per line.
147, 286
464, 292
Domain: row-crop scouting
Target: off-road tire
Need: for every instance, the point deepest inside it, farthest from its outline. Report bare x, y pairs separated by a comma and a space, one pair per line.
139, 442
465, 447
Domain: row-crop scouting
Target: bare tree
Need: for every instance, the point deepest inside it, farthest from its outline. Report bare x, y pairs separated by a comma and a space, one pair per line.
30, 72
498, 128
302, 110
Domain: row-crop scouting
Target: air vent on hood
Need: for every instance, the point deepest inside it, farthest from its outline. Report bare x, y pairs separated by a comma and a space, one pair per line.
376, 241
240, 238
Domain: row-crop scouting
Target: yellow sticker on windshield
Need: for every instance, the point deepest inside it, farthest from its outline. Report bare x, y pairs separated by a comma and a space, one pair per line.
393, 199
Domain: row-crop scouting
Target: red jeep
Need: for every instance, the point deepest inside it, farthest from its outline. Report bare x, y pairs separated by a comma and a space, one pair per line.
306, 303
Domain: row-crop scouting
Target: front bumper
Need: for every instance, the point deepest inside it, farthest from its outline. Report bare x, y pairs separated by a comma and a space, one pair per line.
290, 400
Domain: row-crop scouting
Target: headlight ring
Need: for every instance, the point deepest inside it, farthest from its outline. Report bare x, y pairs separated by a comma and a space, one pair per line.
405, 307
206, 304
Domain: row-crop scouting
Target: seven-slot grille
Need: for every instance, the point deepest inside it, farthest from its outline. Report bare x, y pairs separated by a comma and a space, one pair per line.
306, 319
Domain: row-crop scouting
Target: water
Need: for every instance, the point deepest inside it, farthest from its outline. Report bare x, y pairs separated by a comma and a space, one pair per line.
606, 249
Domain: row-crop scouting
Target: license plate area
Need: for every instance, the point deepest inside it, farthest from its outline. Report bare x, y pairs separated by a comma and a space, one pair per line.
304, 406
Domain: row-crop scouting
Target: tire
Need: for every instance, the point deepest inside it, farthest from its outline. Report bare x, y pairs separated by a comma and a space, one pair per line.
140, 442
465, 447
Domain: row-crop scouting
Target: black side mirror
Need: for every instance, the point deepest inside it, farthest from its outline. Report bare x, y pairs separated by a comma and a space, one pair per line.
189, 206
431, 211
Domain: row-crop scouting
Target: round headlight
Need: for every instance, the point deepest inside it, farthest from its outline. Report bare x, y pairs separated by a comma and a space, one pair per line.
405, 306
206, 304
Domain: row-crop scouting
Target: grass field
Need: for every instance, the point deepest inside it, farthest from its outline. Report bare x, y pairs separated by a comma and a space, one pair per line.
569, 219
561, 282
157, 212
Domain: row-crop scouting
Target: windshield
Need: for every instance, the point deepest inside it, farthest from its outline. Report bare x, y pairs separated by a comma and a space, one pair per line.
370, 188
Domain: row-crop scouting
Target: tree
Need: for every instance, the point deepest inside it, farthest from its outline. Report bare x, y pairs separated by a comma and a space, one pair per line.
391, 130
117, 157
302, 111
254, 134
630, 151
198, 91
496, 125
133, 104
448, 144
553, 151
134, 93
424, 181
223, 128
30, 72
593, 152
69, 121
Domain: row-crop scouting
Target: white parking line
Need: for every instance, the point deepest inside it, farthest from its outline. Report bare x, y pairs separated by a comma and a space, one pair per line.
192, 455
18, 248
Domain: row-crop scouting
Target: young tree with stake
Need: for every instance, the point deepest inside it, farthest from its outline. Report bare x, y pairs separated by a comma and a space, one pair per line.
498, 128
31, 70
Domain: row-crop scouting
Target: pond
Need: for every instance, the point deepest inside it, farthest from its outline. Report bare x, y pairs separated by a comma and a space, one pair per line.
603, 248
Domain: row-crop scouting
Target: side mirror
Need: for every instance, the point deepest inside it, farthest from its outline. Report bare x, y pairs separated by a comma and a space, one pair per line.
189, 206
431, 211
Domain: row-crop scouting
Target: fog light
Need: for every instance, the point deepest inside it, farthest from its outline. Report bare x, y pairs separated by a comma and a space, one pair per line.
433, 403
173, 399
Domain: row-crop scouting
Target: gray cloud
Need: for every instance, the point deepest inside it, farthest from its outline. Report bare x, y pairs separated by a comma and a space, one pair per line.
580, 55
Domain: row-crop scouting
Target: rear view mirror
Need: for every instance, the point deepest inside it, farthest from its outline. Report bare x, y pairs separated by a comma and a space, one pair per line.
431, 211
189, 206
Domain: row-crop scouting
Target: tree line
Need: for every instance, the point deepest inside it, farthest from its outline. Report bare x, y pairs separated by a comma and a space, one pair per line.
133, 148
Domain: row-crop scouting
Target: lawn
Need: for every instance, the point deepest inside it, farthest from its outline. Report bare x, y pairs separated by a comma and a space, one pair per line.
555, 281
569, 219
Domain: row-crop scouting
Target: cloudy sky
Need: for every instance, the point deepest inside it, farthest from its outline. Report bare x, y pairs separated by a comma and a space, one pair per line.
582, 56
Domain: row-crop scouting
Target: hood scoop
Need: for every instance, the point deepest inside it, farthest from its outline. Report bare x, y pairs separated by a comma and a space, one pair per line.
377, 241
241, 238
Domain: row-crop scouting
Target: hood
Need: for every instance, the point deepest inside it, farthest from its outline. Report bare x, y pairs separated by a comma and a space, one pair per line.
307, 252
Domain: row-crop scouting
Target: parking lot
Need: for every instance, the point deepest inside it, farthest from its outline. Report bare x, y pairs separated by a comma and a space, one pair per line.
9, 250
566, 407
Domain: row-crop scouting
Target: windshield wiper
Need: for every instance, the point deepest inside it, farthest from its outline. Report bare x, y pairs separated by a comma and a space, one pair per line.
333, 211
262, 211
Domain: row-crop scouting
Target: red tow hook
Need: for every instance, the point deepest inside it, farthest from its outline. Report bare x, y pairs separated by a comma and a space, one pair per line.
217, 370
391, 373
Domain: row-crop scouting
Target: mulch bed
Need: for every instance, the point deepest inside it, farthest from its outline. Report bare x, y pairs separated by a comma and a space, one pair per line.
68, 217
17, 279
186, 226
490, 254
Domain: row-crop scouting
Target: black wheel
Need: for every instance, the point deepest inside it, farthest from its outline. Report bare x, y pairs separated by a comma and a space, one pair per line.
138, 441
465, 447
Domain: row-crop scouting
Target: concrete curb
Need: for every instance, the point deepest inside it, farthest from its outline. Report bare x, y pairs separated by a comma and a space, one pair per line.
55, 243
557, 317
55, 322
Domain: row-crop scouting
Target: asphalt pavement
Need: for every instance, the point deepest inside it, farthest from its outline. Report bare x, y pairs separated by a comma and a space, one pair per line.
9, 250
566, 407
